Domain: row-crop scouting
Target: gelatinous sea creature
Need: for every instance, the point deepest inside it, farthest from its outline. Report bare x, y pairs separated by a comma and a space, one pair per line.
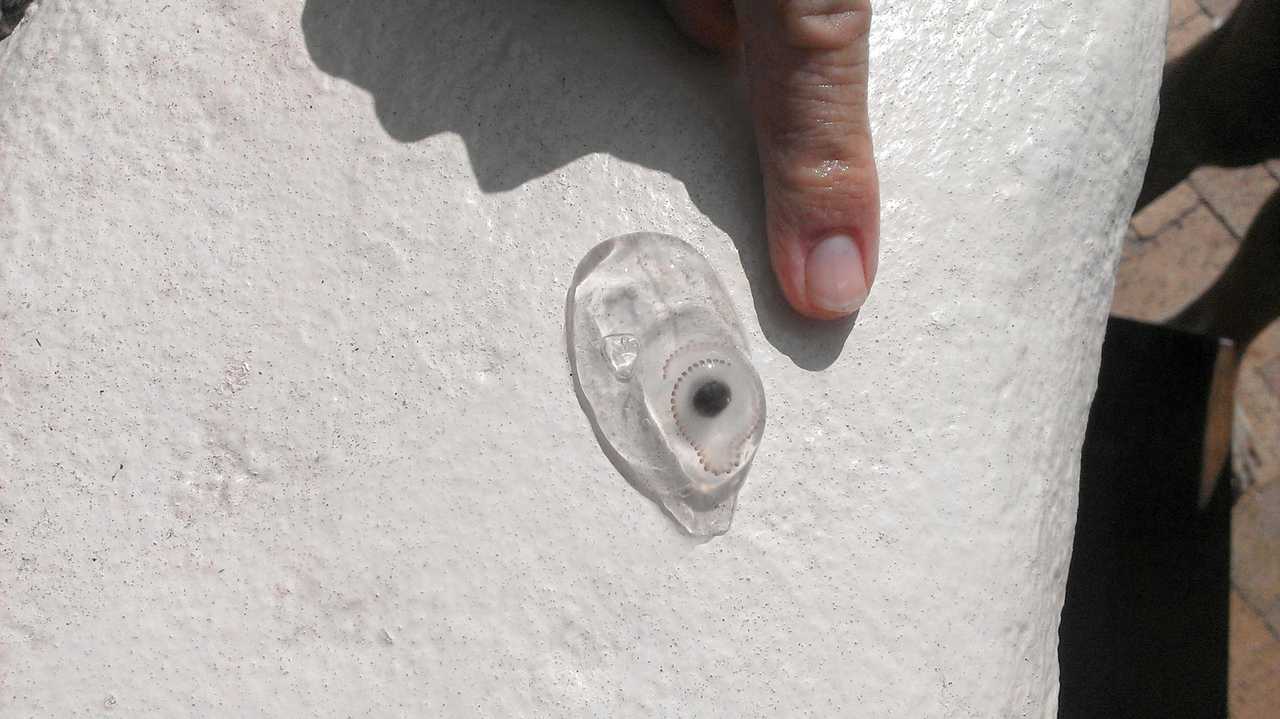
660, 365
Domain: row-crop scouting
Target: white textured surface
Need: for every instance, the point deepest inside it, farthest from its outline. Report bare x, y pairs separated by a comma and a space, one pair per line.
285, 420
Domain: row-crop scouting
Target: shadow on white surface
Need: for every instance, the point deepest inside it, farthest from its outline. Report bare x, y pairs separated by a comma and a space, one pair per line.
531, 87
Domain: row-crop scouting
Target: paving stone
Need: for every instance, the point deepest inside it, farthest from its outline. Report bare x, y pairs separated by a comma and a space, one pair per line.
1235, 194
1182, 10
1219, 9
1255, 551
1256, 440
1270, 373
1253, 664
1182, 37
1158, 277
1166, 208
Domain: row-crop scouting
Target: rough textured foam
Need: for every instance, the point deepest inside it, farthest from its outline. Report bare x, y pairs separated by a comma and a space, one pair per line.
286, 424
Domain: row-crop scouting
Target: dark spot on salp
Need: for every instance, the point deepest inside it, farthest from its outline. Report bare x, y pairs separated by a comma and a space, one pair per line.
711, 398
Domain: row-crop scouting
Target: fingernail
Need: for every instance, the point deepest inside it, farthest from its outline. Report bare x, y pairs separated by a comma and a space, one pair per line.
833, 275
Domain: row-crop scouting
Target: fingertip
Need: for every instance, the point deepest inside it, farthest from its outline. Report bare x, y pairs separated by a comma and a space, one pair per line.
807, 67
825, 279
835, 281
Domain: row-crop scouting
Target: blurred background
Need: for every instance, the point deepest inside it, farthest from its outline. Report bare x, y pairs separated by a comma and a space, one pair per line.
1177, 247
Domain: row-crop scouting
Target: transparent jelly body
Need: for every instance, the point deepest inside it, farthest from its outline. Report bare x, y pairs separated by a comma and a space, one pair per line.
661, 368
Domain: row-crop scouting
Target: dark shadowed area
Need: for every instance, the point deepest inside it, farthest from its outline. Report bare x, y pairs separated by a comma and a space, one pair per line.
1144, 623
11, 12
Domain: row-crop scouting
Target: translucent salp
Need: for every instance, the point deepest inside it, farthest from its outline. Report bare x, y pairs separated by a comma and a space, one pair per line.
661, 369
